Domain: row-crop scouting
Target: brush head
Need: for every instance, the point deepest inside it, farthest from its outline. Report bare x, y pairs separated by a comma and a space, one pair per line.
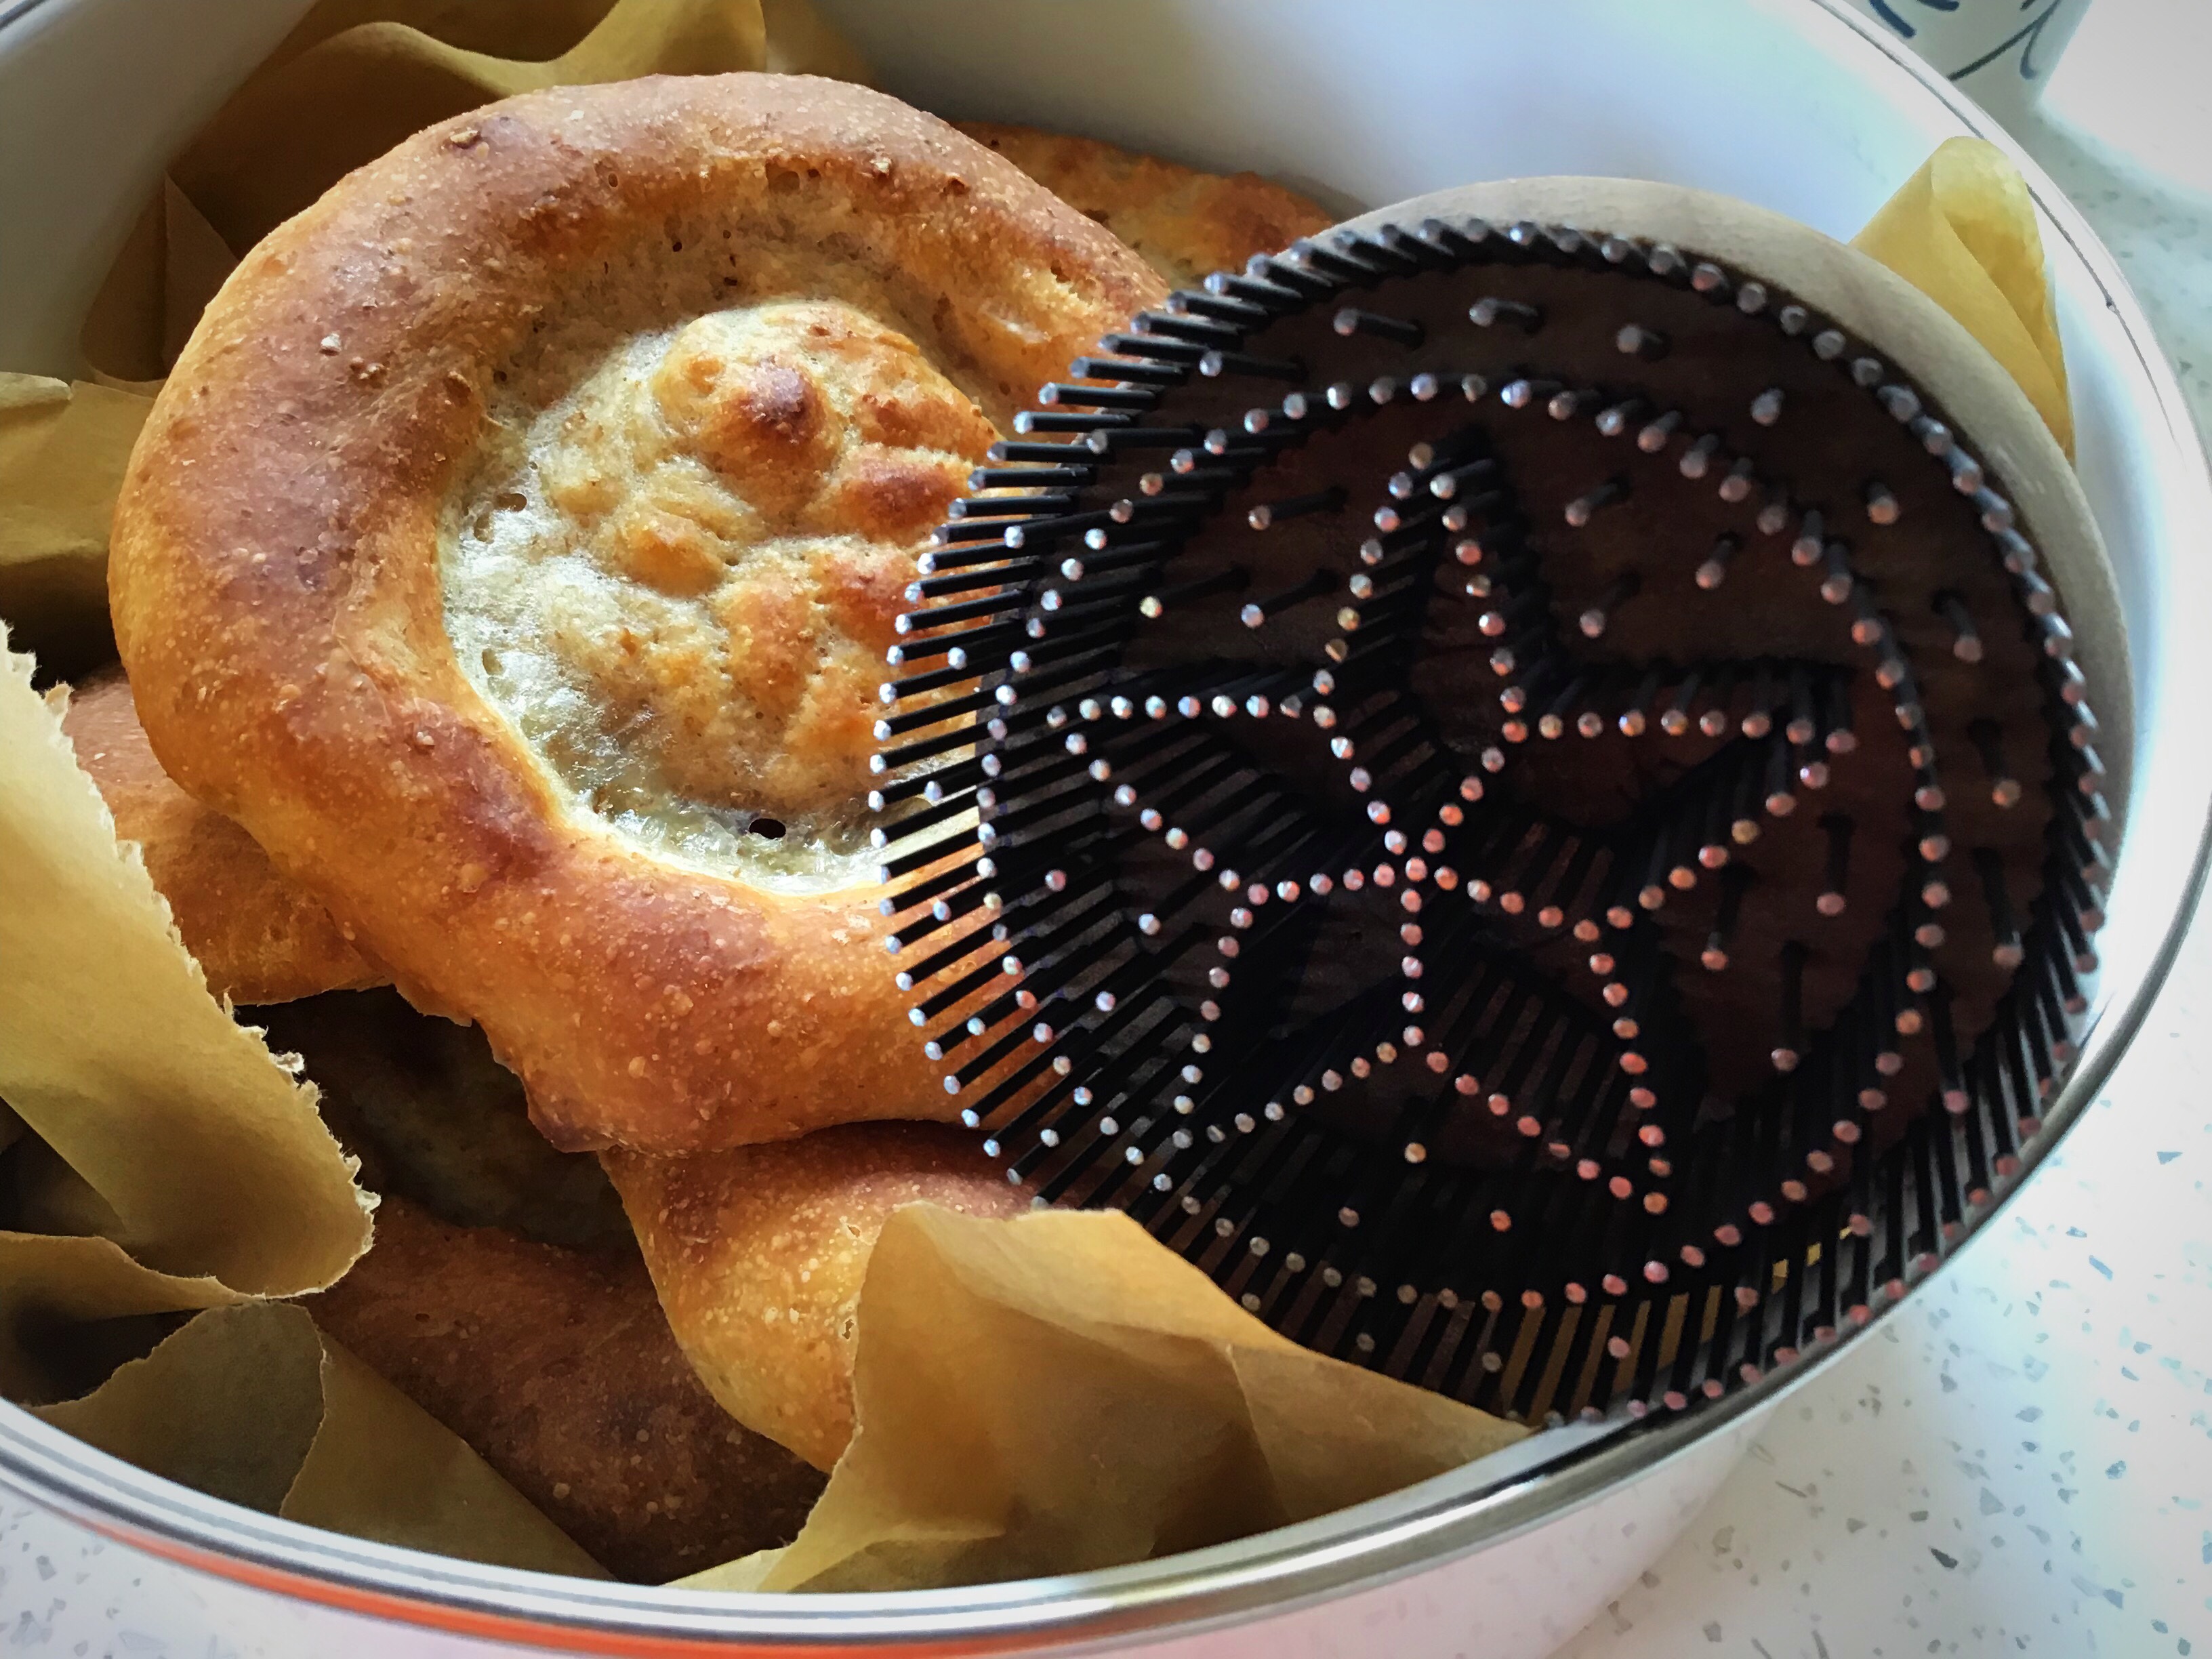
1531, 780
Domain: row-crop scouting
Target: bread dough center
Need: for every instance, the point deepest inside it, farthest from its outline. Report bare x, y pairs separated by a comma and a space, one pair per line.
678, 578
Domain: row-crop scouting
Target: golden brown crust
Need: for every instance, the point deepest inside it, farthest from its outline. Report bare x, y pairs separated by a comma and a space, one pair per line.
557, 1367
274, 575
258, 937
1185, 223
759, 1253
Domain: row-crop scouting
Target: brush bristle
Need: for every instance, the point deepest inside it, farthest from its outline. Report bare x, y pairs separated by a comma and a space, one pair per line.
1493, 785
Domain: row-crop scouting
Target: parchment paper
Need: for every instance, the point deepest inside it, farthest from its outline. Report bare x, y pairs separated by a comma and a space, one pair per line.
63, 449
357, 76
208, 1152
169, 268
62, 1296
179, 1166
1962, 230
318, 1438
1057, 1392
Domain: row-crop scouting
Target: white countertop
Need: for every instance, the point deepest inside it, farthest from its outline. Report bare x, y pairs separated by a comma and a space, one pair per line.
2021, 1461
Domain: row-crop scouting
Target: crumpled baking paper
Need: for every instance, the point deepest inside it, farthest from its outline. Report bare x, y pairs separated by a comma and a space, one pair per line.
63, 449
207, 1153
1962, 230
318, 1438
1058, 1392
170, 266
179, 1166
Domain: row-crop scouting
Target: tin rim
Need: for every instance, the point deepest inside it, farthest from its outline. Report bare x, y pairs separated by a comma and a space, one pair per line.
1423, 1526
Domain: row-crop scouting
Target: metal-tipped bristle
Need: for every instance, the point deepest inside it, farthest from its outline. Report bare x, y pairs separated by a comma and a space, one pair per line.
1361, 866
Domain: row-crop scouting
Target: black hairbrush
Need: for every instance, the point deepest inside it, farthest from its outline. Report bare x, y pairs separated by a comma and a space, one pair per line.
1517, 791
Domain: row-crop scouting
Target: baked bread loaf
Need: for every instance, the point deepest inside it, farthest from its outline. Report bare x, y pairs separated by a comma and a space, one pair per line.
1185, 223
514, 550
504, 1294
759, 1253
432, 1117
257, 936
556, 1366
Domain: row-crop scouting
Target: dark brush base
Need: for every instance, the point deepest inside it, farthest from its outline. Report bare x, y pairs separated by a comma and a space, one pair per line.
1536, 819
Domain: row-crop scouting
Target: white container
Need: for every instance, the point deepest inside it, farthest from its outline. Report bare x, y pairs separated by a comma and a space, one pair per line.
1794, 104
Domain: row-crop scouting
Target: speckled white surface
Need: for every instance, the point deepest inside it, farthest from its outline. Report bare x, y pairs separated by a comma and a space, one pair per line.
2021, 1462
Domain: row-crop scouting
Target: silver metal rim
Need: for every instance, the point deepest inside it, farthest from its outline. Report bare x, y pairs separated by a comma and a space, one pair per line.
1421, 1527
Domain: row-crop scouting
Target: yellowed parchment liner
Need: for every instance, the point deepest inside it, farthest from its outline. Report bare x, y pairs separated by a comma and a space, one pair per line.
196, 1174
318, 1438
63, 449
208, 1152
1962, 230
1057, 1392
181, 1166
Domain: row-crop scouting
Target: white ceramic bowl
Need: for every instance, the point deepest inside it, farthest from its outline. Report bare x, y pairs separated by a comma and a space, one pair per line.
1790, 103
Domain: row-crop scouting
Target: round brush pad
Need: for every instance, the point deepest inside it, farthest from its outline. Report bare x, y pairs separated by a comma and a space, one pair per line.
1505, 784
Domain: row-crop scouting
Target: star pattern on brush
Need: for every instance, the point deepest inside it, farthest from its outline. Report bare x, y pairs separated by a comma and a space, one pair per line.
1514, 776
